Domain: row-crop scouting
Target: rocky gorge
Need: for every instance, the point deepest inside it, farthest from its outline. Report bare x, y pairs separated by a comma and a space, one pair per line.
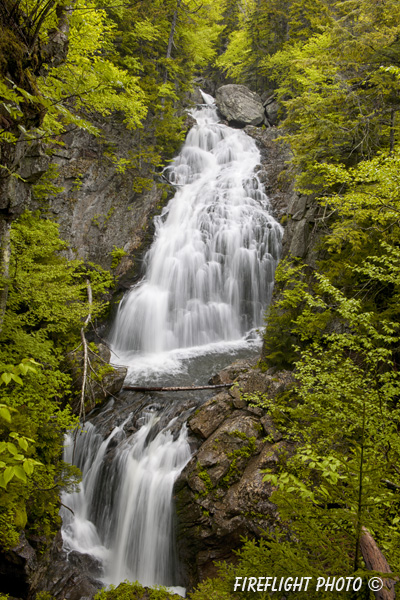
220, 495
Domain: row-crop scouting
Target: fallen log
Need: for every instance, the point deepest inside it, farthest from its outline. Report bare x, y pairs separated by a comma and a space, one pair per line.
141, 388
375, 561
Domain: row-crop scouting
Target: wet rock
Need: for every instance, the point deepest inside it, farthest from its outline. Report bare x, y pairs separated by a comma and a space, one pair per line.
221, 496
16, 565
66, 577
239, 105
230, 373
274, 171
86, 563
211, 415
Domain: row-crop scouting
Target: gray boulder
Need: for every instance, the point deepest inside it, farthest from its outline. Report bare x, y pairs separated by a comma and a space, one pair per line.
239, 105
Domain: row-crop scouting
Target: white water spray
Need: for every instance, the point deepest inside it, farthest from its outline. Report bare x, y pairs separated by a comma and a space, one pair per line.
210, 270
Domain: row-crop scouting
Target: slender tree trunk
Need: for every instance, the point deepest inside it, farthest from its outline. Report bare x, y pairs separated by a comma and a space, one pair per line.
85, 353
171, 37
360, 491
5, 230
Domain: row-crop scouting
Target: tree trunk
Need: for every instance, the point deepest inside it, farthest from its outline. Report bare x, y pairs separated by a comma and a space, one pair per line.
171, 37
138, 388
375, 561
5, 229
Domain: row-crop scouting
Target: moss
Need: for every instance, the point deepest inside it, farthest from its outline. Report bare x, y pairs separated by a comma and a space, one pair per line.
11, 55
204, 476
245, 452
255, 515
117, 255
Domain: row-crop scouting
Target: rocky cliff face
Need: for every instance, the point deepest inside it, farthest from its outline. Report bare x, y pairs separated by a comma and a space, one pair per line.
220, 495
101, 206
301, 216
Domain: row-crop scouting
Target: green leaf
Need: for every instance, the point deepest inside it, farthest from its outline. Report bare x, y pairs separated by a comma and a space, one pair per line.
23, 443
12, 448
5, 414
6, 378
20, 473
28, 467
8, 474
16, 378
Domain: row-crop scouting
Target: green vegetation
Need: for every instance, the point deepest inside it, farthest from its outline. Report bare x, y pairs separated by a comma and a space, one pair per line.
47, 302
204, 476
131, 590
127, 59
245, 451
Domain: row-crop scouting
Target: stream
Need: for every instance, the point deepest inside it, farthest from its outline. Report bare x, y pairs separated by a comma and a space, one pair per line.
208, 279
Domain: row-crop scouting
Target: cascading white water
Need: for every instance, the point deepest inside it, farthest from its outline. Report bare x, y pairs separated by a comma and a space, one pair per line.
210, 269
208, 279
123, 514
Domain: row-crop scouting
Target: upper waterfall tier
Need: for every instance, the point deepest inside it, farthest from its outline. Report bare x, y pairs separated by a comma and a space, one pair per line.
210, 270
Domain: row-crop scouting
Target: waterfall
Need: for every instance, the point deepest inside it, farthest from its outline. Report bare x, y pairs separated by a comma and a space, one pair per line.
122, 513
208, 278
210, 270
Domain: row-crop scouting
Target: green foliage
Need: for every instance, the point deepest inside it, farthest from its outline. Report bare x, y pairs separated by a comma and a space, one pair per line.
135, 61
96, 83
45, 186
343, 415
44, 596
47, 302
131, 590
339, 470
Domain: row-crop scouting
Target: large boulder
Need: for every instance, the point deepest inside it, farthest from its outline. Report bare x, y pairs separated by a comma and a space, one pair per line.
239, 105
220, 495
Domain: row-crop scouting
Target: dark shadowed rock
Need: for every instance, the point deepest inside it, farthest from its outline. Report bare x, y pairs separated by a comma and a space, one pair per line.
239, 105
66, 577
272, 110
